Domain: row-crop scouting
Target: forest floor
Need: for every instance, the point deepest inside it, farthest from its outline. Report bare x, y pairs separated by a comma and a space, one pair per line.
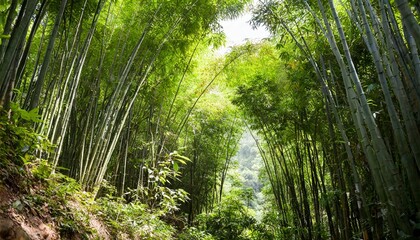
21, 221
31, 209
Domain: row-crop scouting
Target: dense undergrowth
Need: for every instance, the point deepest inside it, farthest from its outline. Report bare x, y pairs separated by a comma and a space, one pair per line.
31, 190
35, 191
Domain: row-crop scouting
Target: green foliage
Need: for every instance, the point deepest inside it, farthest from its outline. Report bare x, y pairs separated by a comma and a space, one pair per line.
19, 143
4, 11
19, 114
62, 198
42, 170
232, 220
92, 85
51, 196
259, 60
133, 218
192, 233
157, 193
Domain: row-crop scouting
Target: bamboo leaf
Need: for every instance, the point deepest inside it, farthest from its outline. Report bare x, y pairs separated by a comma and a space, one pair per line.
176, 167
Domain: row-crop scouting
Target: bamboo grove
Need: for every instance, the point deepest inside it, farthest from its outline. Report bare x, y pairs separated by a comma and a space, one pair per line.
106, 78
344, 158
133, 106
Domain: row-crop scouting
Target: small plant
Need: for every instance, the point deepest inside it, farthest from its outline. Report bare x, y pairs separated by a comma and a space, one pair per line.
193, 233
132, 218
229, 220
19, 142
156, 192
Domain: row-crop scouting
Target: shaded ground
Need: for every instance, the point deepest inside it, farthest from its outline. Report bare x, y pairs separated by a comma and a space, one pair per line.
29, 211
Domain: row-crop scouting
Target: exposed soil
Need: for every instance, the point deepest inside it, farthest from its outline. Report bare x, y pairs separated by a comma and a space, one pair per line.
18, 220
23, 219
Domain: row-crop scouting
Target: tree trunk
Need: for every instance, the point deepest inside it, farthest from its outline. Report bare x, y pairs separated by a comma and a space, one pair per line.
11, 54
409, 20
45, 64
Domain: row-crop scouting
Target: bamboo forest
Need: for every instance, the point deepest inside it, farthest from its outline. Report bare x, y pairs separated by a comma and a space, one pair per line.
137, 119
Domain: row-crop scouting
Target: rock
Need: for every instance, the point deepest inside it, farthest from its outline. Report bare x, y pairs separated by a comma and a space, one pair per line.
10, 231
6, 227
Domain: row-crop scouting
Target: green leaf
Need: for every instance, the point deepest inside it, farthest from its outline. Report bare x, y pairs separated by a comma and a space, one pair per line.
182, 159
176, 167
17, 205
